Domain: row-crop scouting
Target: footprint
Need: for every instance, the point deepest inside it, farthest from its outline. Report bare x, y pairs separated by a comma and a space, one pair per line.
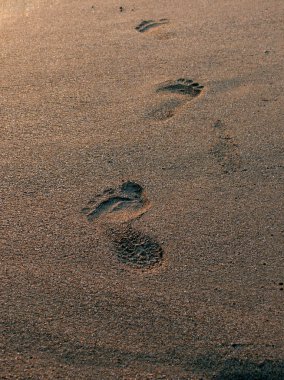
116, 208
226, 153
164, 110
149, 24
120, 204
183, 90
134, 248
225, 149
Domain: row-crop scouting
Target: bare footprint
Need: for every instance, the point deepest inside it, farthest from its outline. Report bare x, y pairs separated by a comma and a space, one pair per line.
225, 149
135, 249
183, 90
164, 110
115, 209
149, 24
120, 204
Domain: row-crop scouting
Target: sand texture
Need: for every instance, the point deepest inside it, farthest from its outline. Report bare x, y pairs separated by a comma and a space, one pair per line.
142, 212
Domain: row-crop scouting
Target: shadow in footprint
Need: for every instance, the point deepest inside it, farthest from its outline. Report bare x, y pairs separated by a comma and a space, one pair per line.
123, 203
149, 24
183, 89
182, 86
134, 248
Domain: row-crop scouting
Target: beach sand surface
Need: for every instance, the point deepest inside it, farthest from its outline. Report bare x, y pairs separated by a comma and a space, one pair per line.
142, 216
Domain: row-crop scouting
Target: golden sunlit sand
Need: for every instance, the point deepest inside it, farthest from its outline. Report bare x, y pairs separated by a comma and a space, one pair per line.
142, 189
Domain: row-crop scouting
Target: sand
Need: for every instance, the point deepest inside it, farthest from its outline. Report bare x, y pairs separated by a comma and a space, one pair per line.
142, 217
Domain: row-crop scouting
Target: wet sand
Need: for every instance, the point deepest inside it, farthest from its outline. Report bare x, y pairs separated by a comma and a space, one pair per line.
142, 189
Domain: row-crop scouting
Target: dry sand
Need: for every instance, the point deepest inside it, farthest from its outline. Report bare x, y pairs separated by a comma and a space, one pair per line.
177, 274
